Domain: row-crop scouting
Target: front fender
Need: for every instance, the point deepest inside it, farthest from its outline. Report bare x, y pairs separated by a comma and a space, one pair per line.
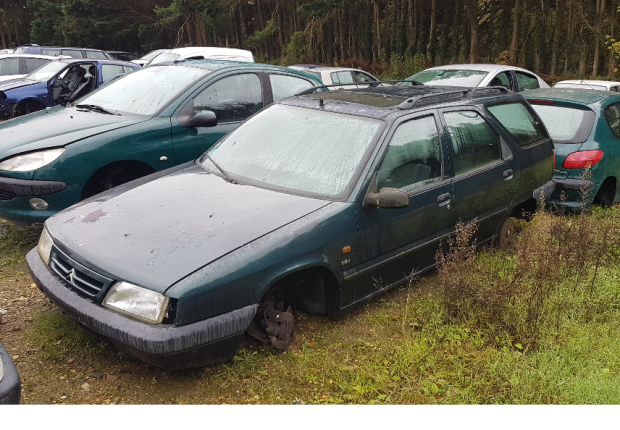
290, 267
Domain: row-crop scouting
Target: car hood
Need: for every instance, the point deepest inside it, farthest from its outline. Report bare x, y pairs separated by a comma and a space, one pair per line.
159, 232
56, 127
14, 83
10, 77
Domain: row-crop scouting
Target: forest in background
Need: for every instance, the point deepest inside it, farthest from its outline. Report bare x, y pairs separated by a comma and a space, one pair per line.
394, 38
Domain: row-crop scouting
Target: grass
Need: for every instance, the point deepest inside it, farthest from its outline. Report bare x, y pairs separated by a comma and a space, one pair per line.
535, 323
15, 242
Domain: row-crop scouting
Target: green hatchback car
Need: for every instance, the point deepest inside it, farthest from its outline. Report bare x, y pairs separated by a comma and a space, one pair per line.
317, 203
585, 128
145, 122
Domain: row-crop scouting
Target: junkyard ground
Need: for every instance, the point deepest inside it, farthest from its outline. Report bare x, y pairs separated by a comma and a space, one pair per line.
396, 349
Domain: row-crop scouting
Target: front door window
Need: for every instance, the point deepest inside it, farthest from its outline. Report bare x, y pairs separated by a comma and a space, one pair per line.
233, 98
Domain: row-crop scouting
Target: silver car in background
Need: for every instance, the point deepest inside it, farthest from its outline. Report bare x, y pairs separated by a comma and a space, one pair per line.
480, 75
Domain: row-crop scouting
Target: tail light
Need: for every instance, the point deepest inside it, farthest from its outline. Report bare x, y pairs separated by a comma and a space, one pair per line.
581, 159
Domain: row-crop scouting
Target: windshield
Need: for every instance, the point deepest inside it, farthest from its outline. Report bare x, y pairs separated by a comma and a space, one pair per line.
303, 150
47, 72
565, 125
162, 58
151, 55
582, 86
453, 78
145, 91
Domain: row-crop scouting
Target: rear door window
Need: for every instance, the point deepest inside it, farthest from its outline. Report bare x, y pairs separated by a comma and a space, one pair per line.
524, 127
110, 70
283, 86
33, 64
233, 98
474, 142
9, 66
363, 77
48, 51
72, 53
612, 116
96, 54
526, 81
342, 78
501, 80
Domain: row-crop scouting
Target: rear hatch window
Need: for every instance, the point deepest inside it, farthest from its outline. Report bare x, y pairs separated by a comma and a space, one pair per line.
524, 126
565, 124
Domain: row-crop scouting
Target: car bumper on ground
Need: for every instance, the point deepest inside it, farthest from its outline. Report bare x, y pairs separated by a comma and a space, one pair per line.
10, 385
206, 342
15, 196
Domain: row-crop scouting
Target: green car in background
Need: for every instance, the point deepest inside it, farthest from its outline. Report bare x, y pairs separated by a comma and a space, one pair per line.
585, 128
145, 122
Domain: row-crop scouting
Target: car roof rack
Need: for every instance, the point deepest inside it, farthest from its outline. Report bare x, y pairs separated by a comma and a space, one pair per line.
372, 84
452, 95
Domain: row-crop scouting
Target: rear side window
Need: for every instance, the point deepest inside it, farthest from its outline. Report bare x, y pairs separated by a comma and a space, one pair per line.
233, 98
612, 116
33, 64
474, 141
284, 86
9, 66
565, 125
53, 52
524, 127
363, 77
526, 82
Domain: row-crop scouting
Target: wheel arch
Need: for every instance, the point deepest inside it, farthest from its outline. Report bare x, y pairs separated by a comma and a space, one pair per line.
140, 168
309, 283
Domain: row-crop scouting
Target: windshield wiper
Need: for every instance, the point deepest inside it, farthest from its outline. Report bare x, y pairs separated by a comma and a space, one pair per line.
96, 108
228, 178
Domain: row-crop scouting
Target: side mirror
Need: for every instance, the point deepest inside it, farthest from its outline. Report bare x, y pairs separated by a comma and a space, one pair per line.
387, 198
206, 118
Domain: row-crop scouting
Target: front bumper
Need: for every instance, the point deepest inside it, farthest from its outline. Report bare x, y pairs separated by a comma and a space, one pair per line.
10, 385
206, 342
15, 195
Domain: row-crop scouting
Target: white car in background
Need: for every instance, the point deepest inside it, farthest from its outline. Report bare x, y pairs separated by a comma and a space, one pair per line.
336, 75
142, 61
480, 75
14, 66
202, 53
6, 51
590, 85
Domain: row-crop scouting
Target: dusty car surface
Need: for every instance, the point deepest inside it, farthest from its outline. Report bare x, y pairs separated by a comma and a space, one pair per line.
480, 75
10, 385
318, 203
57, 82
585, 128
147, 121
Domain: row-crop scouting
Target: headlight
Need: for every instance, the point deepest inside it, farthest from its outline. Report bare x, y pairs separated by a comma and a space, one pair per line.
45, 246
31, 161
137, 302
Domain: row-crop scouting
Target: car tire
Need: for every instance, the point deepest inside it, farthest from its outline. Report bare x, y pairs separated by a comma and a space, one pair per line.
26, 107
506, 233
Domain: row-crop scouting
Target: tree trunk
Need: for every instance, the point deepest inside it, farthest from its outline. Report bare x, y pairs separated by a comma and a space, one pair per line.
558, 32
280, 29
514, 45
600, 9
472, 15
430, 49
583, 58
491, 30
2, 33
378, 30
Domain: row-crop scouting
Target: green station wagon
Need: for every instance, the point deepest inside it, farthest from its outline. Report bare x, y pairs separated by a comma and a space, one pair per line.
317, 203
147, 121
585, 128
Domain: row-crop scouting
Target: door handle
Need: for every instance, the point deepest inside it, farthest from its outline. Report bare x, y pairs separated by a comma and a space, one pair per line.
443, 199
508, 174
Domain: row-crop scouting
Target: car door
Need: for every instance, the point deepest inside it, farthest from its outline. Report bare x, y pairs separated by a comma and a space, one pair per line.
483, 168
233, 98
398, 242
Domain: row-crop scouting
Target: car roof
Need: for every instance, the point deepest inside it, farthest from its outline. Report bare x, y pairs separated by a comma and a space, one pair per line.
588, 82
37, 56
479, 67
59, 47
213, 49
217, 65
323, 68
574, 95
98, 60
379, 102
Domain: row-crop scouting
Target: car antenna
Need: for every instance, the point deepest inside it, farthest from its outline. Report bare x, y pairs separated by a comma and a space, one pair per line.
321, 104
